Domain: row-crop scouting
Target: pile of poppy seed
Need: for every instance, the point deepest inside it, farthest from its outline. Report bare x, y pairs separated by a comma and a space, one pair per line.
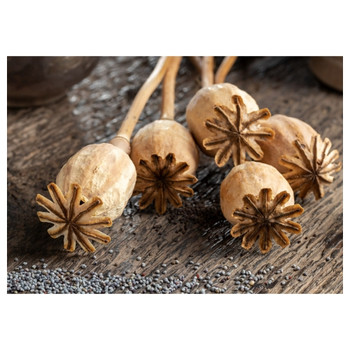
38, 279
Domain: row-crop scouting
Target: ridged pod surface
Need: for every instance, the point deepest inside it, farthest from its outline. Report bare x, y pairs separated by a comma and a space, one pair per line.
162, 137
101, 170
166, 159
250, 178
287, 130
201, 108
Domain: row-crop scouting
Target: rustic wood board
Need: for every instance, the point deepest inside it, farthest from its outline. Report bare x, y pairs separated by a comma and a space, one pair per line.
40, 140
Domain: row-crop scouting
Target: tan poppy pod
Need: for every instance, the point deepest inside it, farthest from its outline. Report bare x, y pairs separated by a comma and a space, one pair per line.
250, 178
259, 201
162, 137
201, 108
101, 170
287, 131
166, 158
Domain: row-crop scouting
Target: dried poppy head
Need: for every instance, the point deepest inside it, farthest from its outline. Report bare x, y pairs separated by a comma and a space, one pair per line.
287, 130
225, 122
91, 190
300, 154
311, 166
101, 170
166, 159
259, 202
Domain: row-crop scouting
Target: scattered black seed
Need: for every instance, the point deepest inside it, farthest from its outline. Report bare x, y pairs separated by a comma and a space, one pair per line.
61, 280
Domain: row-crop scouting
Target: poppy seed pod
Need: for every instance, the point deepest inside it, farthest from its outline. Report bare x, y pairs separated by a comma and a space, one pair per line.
101, 170
259, 202
202, 108
166, 158
287, 130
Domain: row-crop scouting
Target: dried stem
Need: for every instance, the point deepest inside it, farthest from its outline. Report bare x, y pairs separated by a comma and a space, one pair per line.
122, 139
196, 61
207, 71
224, 68
168, 92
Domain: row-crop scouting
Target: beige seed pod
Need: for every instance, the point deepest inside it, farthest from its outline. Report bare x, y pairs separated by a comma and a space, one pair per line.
300, 154
94, 186
250, 178
162, 137
202, 107
287, 130
165, 154
225, 120
166, 160
259, 201
91, 190
102, 170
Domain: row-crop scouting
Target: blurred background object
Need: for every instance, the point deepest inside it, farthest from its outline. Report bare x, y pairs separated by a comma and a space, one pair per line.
329, 70
35, 81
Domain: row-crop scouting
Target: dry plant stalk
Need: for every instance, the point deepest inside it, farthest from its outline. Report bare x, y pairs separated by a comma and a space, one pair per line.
226, 121
259, 202
94, 186
164, 154
300, 154
224, 69
207, 74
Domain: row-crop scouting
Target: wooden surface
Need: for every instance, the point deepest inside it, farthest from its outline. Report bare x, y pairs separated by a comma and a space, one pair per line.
40, 140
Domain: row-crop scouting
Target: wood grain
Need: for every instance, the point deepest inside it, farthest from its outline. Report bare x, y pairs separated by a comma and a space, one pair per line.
40, 140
